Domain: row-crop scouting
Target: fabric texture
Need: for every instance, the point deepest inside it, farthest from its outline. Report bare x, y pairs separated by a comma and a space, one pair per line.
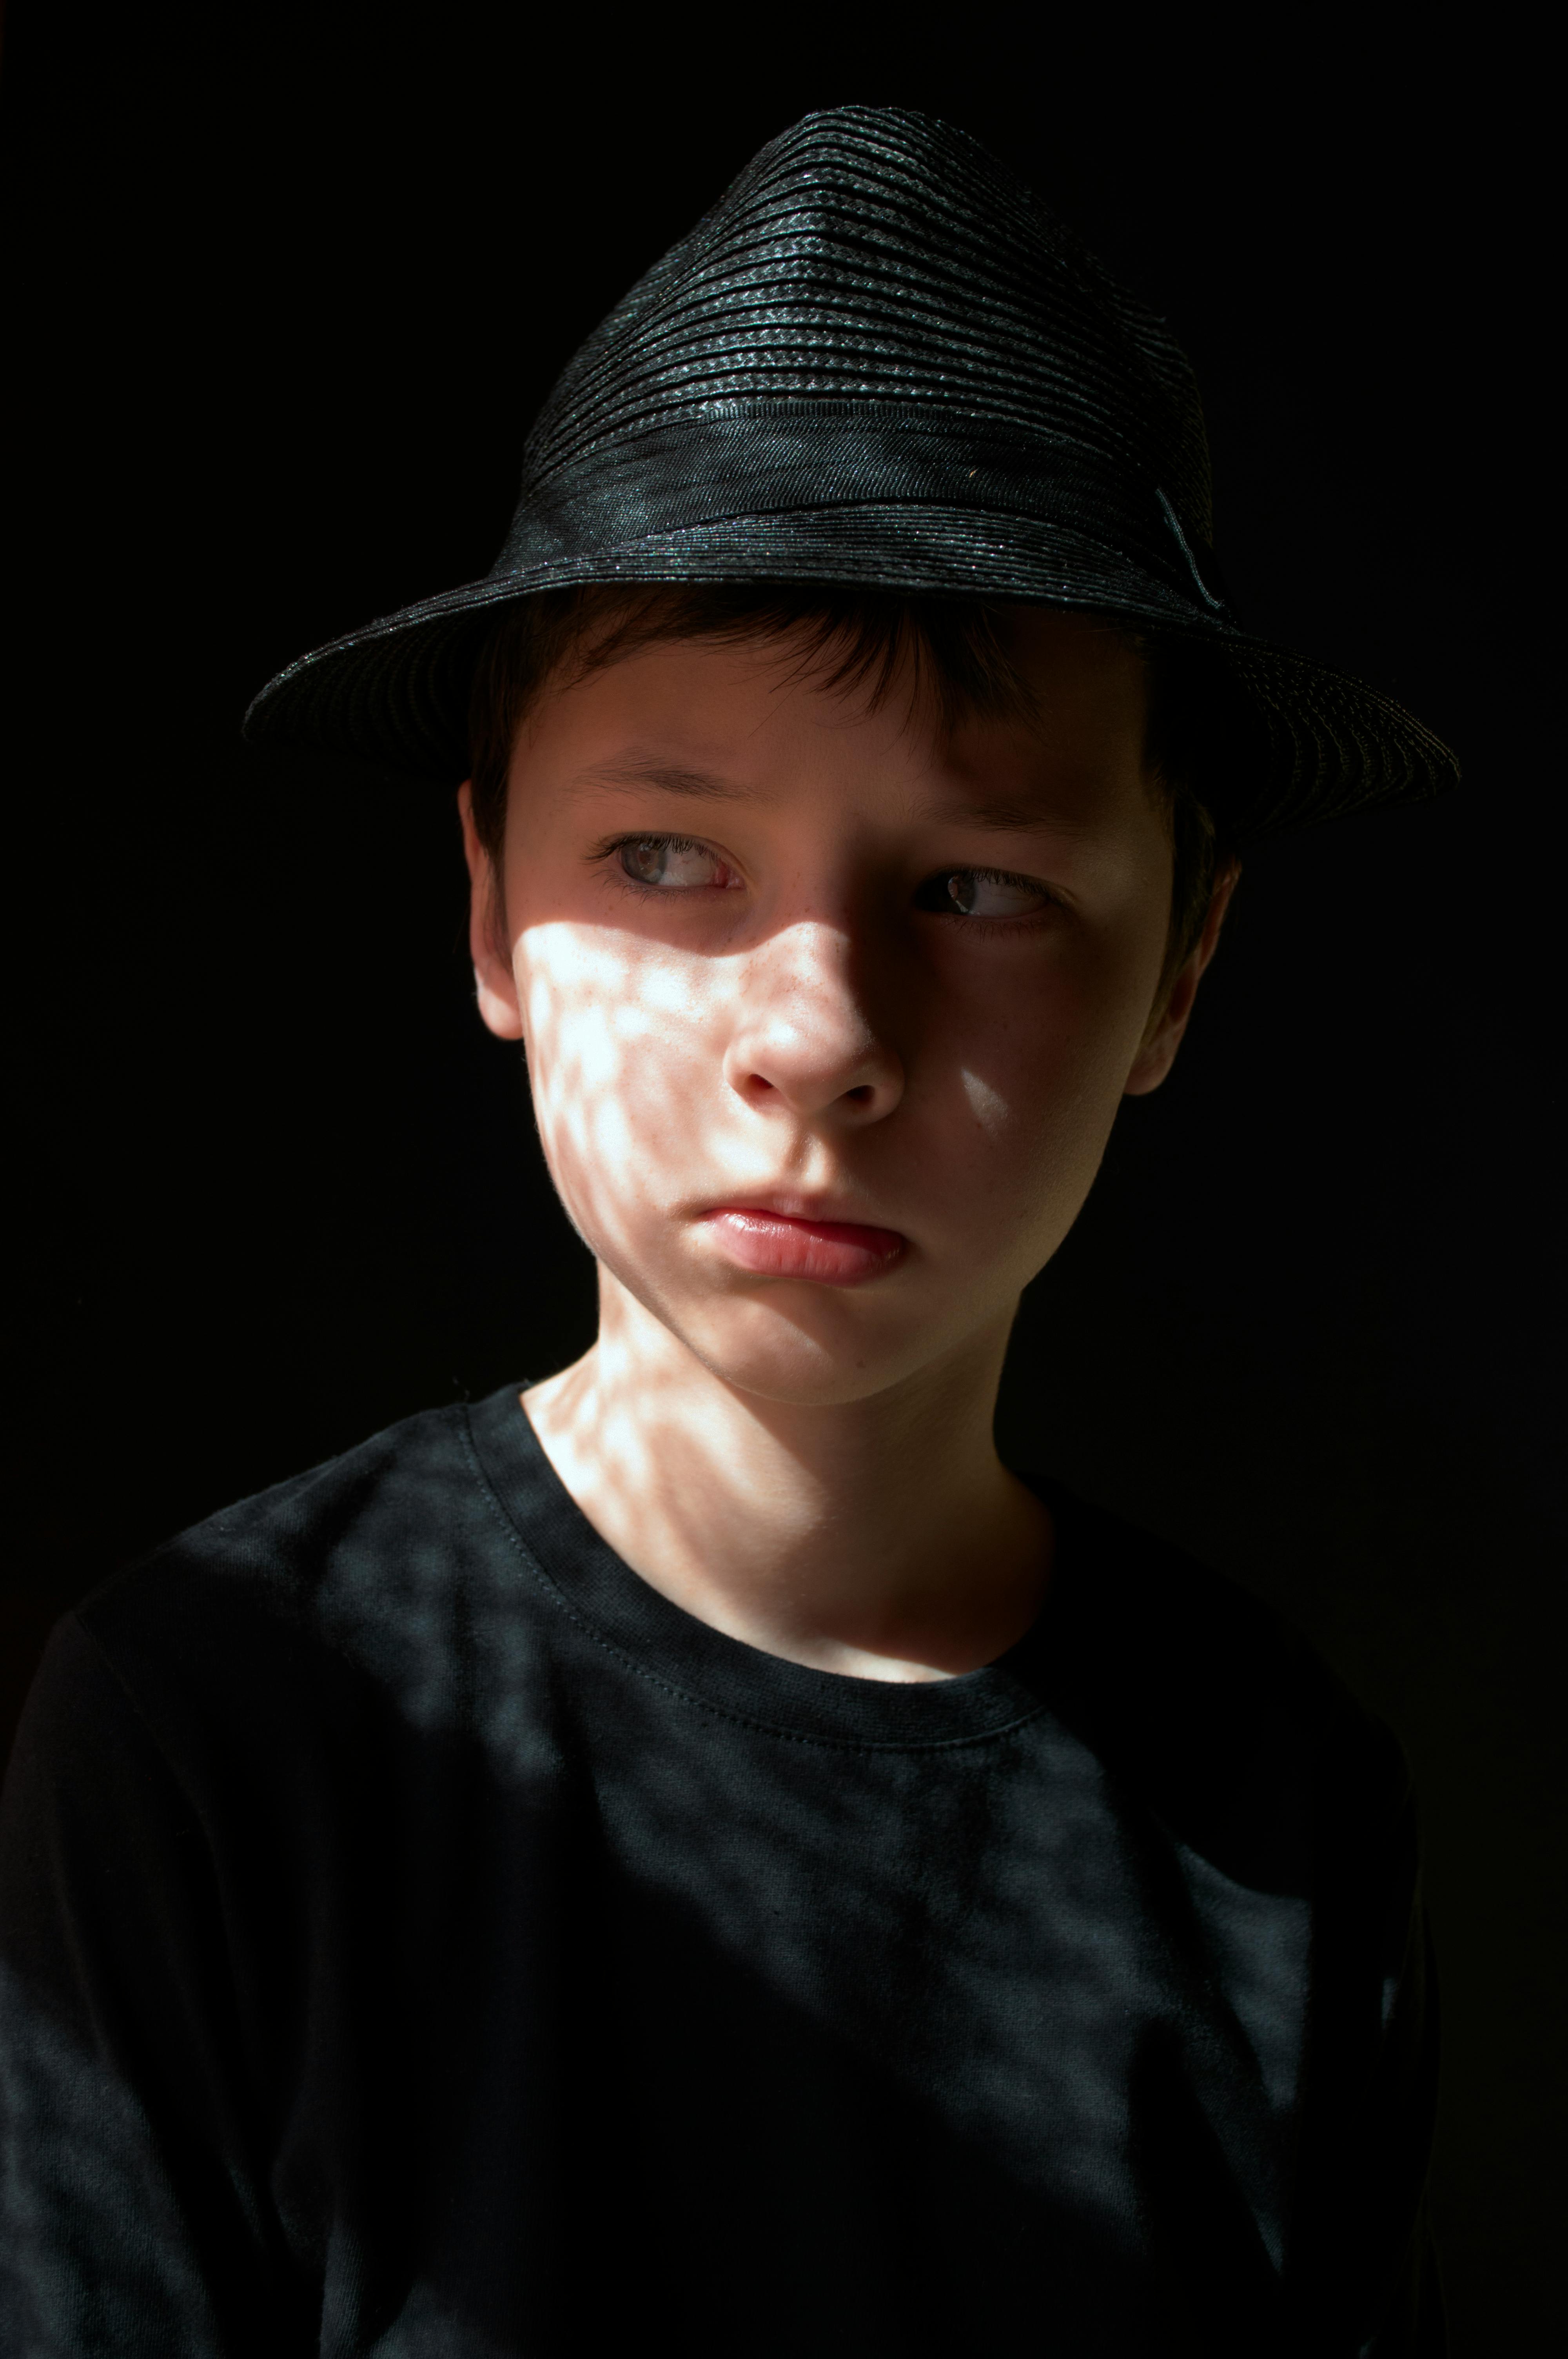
877, 363
420, 1938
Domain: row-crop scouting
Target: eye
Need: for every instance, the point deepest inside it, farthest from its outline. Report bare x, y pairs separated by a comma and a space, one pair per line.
673, 864
983, 893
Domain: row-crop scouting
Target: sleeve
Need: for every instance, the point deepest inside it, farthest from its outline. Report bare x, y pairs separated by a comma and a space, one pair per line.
126, 2226
1362, 2258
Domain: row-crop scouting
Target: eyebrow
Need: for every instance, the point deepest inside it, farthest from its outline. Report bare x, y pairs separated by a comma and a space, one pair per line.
669, 778
994, 815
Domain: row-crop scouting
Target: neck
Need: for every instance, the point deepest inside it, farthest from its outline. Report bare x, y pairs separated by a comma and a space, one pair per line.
880, 1537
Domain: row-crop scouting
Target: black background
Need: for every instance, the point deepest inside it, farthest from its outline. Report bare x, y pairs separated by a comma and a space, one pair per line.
283, 287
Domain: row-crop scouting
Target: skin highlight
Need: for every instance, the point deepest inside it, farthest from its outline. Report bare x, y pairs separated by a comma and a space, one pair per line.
828, 1015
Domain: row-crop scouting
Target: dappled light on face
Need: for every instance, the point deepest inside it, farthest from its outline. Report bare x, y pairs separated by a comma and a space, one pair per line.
648, 1131
668, 1082
824, 1038
819, 1042
617, 1076
988, 1106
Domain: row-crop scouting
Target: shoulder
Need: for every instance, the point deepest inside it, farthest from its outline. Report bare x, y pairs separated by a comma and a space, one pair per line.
1208, 1700
276, 1551
362, 1580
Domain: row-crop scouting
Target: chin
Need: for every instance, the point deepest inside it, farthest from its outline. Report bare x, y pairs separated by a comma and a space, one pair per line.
791, 1346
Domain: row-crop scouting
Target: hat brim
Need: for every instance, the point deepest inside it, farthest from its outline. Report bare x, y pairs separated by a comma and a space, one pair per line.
1322, 745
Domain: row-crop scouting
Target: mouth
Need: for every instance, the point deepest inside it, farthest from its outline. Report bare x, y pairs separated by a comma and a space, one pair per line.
769, 1244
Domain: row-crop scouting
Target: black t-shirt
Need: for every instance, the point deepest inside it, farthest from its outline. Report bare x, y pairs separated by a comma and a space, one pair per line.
421, 1938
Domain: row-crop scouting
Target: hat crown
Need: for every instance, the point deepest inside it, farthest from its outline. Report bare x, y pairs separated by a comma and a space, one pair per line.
877, 363
875, 261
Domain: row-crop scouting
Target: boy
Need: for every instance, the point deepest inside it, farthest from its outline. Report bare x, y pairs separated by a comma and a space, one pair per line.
697, 1848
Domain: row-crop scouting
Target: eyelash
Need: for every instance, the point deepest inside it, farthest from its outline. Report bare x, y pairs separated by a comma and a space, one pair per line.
606, 854
995, 876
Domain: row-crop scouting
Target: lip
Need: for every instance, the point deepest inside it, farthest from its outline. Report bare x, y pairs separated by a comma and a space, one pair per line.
770, 1244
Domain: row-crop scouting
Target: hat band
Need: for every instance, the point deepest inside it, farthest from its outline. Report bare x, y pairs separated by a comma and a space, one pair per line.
710, 469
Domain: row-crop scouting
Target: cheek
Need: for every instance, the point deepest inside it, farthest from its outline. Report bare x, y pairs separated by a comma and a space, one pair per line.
615, 1042
1033, 1088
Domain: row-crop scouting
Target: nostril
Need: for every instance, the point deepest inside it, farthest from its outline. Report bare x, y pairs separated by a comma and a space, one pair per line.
860, 1094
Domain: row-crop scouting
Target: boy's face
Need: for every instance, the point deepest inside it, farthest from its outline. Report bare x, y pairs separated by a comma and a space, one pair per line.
827, 1015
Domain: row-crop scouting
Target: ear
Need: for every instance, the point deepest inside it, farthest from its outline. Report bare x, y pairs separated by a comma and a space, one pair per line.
495, 986
1161, 1042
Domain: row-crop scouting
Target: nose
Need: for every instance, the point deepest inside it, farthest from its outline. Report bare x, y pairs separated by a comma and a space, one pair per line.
804, 1038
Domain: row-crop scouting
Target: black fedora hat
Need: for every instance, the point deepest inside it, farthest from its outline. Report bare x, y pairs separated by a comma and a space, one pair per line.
877, 363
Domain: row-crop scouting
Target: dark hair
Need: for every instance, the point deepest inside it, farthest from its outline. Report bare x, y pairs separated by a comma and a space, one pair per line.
847, 638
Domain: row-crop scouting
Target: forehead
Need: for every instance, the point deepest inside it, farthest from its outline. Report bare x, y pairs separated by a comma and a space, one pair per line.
760, 720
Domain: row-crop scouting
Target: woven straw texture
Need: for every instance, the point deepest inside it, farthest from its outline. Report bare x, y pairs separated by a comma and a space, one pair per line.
876, 362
